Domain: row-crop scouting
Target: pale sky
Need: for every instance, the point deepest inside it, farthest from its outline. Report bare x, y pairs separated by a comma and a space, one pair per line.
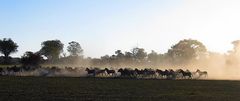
103, 26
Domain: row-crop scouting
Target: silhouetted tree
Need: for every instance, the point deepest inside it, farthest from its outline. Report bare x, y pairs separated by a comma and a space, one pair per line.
52, 49
119, 54
119, 57
113, 60
186, 50
128, 58
30, 58
74, 49
7, 47
139, 54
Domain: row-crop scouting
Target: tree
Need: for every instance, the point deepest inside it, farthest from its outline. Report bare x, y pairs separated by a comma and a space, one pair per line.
186, 50
139, 54
7, 47
119, 54
74, 49
128, 58
119, 57
52, 49
30, 58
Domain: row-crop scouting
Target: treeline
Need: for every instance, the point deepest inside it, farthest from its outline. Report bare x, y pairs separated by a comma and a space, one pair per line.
184, 52
51, 52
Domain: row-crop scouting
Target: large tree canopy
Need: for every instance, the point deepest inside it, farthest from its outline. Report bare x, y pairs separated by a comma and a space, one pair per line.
52, 49
139, 54
74, 49
7, 47
30, 58
186, 50
119, 56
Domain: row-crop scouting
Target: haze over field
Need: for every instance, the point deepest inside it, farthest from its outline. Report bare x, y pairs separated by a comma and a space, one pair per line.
104, 26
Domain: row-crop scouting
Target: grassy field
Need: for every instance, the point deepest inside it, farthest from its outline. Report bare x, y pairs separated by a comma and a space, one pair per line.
96, 89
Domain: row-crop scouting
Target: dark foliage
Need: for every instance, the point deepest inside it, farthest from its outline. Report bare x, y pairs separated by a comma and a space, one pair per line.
30, 58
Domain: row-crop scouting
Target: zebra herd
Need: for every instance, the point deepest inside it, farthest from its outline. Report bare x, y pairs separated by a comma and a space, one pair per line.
98, 72
147, 73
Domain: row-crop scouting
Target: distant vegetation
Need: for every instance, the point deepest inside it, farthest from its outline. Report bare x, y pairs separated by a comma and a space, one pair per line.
184, 52
7, 47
